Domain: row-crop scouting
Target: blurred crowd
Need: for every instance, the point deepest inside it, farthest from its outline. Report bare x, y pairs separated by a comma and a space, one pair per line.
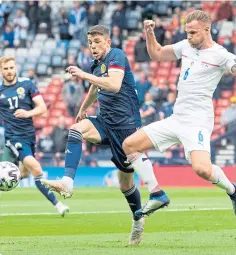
65, 21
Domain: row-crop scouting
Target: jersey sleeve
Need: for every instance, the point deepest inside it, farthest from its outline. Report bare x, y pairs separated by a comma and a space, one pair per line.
33, 90
229, 60
117, 63
178, 47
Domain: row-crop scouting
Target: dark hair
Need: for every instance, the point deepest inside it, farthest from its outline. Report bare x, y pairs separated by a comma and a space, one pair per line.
99, 29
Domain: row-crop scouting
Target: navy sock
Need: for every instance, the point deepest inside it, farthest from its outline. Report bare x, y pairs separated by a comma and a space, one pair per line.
157, 194
73, 153
134, 200
44, 190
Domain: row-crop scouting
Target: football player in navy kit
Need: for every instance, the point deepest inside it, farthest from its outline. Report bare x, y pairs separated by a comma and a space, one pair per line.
113, 85
20, 100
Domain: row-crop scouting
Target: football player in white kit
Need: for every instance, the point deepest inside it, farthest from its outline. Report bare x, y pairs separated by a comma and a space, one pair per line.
203, 64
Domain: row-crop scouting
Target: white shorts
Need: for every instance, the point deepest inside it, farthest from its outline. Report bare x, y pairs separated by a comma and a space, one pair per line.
170, 131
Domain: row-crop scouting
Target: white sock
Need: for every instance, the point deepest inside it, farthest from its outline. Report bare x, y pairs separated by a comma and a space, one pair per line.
58, 205
143, 166
219, 178
69, 182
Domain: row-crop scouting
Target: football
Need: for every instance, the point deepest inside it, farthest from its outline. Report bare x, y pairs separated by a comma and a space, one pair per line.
9, 176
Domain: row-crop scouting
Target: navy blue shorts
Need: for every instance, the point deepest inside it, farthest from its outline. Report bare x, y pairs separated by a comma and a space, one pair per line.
114, 138
21, 148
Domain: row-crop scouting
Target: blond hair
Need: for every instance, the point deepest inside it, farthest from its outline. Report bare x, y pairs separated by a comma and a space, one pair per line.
99, 29
5, 59
199, 16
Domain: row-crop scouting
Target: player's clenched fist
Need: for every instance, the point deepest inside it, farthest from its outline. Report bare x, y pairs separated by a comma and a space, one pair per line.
75, 71
149, 26
80, 116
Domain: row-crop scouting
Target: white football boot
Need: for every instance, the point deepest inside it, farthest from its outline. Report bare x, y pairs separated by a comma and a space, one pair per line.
137, 231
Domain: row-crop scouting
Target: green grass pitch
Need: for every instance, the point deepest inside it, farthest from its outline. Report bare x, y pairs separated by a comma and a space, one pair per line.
197, 222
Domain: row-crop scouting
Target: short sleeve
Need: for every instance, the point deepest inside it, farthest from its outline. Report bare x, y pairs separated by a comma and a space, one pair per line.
117, 63
178, 47
33, 90
229, 60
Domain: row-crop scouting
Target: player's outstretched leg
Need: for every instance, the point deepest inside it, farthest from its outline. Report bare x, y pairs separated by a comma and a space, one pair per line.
73, 151
143, 166
157, 198
31, 163
201, 164
79, 131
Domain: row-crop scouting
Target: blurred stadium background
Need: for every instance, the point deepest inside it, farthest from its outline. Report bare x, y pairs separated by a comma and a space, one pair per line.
47, 36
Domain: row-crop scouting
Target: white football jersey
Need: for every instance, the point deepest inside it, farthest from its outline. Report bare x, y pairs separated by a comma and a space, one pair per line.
200, 73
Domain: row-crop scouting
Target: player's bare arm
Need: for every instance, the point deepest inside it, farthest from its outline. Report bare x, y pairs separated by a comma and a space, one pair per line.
155, 50
88, 101
39, 109
111, 83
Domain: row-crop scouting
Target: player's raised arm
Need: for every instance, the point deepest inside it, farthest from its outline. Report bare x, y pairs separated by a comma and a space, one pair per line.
155, 50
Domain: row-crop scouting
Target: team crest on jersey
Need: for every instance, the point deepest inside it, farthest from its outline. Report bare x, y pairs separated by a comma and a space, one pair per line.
21, 92
103, 68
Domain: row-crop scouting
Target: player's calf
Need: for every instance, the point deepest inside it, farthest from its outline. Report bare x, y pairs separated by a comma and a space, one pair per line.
31, 163
203, 170
143, 166
79, 131
24, 172
201, 164
130, 191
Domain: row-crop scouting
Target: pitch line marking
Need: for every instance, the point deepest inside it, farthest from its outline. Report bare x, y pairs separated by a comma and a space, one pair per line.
114, 212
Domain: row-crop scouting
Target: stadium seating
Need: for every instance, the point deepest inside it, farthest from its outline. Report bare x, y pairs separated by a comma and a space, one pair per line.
43, 69
49, 55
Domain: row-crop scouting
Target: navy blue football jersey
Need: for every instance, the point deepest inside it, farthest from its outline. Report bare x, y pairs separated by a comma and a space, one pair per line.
17, 96
118, 110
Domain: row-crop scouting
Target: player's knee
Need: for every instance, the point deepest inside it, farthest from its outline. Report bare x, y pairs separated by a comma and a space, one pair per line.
80, 128
76, 127
202, 170
127, 146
